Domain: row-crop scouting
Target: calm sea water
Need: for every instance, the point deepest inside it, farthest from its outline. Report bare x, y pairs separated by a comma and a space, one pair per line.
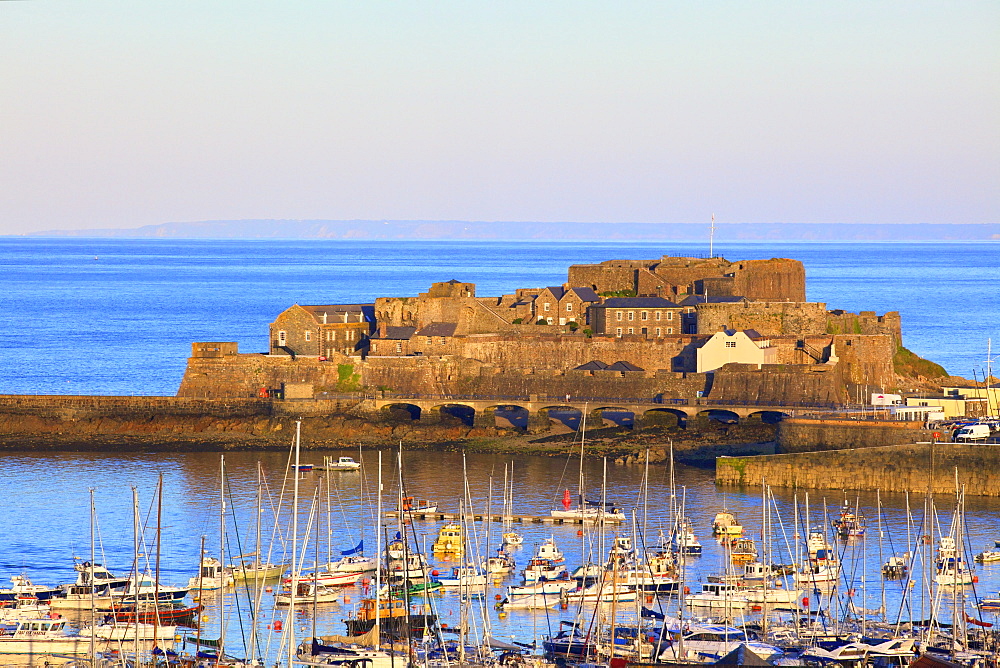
118, 316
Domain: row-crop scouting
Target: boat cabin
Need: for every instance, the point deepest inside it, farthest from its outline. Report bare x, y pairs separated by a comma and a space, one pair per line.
449, 538
386, 608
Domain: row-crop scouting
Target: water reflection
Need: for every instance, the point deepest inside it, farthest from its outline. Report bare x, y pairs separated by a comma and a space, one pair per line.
45, 524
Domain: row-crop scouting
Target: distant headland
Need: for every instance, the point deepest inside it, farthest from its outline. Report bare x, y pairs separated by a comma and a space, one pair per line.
456, 230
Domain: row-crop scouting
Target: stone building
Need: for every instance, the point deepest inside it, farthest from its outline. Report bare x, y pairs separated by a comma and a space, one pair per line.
731, 346
322, 331
648, 317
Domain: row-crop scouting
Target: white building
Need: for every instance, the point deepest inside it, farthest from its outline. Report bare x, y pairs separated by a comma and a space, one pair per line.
730, 345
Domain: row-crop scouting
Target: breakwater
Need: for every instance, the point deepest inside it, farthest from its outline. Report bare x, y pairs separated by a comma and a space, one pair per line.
808, 435
54, 422
894, 468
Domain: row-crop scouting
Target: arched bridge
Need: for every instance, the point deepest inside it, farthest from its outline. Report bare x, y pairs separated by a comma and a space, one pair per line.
542, 411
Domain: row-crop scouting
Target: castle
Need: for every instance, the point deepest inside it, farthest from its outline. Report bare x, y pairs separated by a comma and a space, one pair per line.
672, 328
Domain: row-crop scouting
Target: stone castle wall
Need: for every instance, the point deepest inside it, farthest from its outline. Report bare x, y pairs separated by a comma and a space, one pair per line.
768, 318
778, 384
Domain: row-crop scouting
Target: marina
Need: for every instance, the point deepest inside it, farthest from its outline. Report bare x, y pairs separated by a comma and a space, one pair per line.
629, 571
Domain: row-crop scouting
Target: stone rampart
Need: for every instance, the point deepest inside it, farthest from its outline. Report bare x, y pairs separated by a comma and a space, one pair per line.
778, 384
895, 468
808, 435
768, 318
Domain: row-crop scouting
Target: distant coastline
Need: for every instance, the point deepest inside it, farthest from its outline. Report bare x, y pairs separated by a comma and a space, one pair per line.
451, 230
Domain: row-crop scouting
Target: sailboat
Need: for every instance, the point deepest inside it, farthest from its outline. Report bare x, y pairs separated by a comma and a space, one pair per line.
586, 511
510, 538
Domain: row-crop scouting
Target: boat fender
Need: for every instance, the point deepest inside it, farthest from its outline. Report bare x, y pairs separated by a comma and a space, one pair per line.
687, 590
277, 626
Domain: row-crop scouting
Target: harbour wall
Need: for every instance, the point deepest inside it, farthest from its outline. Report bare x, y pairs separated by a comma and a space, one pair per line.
893, 468
56, 422
810, 435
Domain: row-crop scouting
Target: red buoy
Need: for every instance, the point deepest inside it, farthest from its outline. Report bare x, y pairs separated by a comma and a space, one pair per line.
567, 500
277, 625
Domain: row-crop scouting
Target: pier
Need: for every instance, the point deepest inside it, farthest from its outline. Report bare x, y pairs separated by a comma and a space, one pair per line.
491, 517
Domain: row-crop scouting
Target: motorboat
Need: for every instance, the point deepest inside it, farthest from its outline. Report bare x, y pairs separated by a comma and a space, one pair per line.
412, 567
726, 524
213, 576
849, 524
988, 556
464, 576
307, 592
895, 568
818, 573
41, 636
605, 591
683, 540
549, 550
725, 595
341, 464
119, 631
543, 569
410, 504
354, 563
22, 588
145, 588
449, 540
395, 619
817, 541
512, 539
257, 572
741, 550
951, 568
501, 564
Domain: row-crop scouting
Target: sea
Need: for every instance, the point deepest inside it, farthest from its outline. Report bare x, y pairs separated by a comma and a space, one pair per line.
117, 317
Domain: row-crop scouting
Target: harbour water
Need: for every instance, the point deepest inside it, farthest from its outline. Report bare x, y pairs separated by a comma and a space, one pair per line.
46, 522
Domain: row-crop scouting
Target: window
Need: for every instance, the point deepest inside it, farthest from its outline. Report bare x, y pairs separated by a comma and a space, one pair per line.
443, 341
430, 340
282, 337
618, 316
658, 314
644, 315
631, 330
562, 321
569, 307
670, 315
309, 335
670, 330
730, 344
545, 306
618, 332
399, 347
631, 315
658, 332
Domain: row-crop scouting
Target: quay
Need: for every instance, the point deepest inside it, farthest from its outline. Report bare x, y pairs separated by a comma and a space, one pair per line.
483, 517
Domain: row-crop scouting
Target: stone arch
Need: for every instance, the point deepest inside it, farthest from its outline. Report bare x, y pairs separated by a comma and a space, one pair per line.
769, 417
402, 411
456, 414
507, 416
720, 415
614, 416
568, 417
665, 417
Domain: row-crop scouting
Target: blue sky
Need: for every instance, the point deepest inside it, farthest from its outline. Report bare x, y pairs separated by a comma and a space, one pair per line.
120, 114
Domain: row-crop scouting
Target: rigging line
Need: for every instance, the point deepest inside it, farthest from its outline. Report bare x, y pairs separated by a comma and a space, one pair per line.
239, 546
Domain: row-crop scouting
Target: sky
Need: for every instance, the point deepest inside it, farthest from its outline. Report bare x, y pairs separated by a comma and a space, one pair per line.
129, 113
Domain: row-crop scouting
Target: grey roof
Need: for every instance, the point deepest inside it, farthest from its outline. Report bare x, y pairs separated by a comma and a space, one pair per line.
438, 329
317, 311
752, 333
594, 365
624, 366
691, 300
557, 291
586, 294
398, 333
639, 302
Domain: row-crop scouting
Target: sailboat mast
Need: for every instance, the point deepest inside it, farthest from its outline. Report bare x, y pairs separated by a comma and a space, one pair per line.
583, 437
222, 557
295, 538
93, 606
378, 553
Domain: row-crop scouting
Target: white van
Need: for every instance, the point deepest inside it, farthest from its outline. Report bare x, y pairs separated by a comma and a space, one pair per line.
973, 432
